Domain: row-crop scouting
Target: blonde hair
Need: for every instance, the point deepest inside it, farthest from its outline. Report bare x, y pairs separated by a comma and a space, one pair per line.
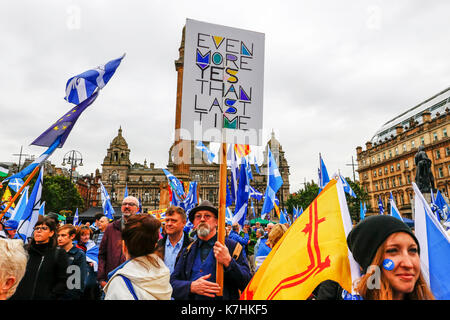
275, 234
385, 292
13, 262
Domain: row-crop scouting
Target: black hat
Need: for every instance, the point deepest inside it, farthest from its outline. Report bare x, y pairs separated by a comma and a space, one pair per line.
204, 205
368, 235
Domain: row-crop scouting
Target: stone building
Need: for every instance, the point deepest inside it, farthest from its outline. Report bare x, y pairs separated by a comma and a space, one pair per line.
150, 183
387, 164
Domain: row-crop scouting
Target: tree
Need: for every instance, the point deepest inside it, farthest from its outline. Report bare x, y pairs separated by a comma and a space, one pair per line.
59, 194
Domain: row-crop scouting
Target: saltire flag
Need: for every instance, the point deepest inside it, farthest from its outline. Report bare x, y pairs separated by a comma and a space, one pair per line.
434, 247
140, 205
81, 87
442, 206
323, 174
42, 209
190, 199
274, 184
125, 193
380, 205
261, 254
394, 211
283, 217
108, 209
362, 211
92, 254
242, 150
255, 194
253, 209
175, 185
229, 200
15, 184
39, 161
75, 218
231, 156
256, 167
228, 216
248, 168
3, 172
31, 213
347, 187
243, 194
312, 250
299, 212
63, 126
200, 146
21, 205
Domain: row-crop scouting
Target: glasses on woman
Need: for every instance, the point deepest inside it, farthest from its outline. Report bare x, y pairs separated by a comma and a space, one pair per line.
43, 228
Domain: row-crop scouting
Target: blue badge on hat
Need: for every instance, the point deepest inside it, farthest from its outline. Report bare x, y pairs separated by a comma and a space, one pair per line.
388, 264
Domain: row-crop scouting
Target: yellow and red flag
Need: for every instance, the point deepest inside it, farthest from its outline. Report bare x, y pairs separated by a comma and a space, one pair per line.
312, 250
6, 198
242, 150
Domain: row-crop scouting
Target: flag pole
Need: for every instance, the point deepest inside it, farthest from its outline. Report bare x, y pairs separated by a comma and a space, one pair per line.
222, 208
20, 190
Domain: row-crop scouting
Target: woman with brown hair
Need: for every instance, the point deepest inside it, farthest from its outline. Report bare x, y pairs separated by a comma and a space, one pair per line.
144, 276
45, 276
388, 253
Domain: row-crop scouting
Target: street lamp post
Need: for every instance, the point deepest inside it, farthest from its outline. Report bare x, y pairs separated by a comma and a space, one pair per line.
74, 159
113, 178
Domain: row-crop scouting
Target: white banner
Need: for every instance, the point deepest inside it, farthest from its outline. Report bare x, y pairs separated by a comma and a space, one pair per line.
223, 80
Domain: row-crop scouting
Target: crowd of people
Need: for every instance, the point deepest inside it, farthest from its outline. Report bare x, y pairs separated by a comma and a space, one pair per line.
137, 257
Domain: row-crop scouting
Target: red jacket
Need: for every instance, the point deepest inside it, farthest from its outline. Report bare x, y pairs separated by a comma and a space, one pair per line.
110, 254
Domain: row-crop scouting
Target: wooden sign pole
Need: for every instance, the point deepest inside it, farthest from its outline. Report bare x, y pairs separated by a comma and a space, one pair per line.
222, 208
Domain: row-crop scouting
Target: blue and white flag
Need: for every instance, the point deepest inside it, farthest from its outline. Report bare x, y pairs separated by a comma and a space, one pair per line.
256, 167
75, 218
347, 187
442, 206
243, 194
200, 146
20, 206
42, 209
108, 209
92, 254
31, 213
125, 194
394, 211
15, 184
255, 194
249, 170
39, 161
274, 184
82, 86
228, 216
362, 211
175, 185
140, 206
231, 156
230, 200
298, 213
283, 217
434, 247
323, 174
380, 205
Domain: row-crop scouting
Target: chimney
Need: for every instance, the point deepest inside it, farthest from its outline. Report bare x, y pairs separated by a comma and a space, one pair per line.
368, 145
426, 116
152, 165
399, 129
358, 150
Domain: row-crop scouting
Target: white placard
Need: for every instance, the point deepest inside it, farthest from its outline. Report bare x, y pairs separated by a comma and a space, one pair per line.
223, 80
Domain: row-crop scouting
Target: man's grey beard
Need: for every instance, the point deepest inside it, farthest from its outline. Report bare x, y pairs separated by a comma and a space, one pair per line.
203, 230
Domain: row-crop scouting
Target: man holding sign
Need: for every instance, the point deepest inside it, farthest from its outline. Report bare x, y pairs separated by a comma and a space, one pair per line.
194, 275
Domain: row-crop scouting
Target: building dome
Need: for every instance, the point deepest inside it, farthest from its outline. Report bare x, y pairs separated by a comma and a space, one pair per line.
119, 140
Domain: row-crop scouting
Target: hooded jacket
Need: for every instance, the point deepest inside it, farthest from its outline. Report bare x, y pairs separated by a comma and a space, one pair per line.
149, 281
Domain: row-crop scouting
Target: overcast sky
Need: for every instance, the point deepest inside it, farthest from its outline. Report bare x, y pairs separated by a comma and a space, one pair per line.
335, 72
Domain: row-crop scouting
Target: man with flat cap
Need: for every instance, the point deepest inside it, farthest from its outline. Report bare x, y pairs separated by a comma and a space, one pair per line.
194, 276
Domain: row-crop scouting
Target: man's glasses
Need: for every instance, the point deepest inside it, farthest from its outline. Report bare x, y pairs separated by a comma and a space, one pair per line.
204, 216
131, 204
43, 228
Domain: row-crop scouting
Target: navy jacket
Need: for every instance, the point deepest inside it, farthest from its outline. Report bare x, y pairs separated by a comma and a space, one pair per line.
236, 276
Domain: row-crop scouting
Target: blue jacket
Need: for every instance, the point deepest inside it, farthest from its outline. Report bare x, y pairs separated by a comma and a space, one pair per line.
236, 276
